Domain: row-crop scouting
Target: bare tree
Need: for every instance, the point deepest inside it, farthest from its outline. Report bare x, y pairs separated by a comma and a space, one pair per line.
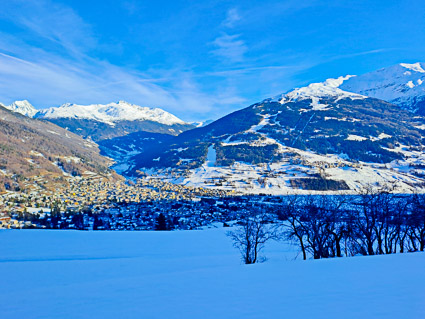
365, 219
336, 218
252, 234
294, 229
375, 221
316, 223
417, 222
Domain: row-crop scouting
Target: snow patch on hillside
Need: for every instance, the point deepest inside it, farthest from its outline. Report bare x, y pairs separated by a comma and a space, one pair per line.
358, 138
201, 123
417, 67
211, 156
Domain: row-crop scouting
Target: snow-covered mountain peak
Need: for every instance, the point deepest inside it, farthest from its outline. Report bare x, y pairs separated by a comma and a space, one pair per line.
110, 113
401, 84
417, 67
330, 87
316, 91
23, 107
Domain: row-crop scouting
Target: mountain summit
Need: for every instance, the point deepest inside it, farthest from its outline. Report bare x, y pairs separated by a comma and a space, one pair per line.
319, 137
401, 84
105, 121
315, 91
22, 107
110, 113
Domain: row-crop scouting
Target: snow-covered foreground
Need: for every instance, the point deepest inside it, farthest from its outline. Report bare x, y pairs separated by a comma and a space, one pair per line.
195, 274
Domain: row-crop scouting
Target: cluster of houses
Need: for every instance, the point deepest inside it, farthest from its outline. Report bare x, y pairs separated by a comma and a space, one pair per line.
99, 203
144, 215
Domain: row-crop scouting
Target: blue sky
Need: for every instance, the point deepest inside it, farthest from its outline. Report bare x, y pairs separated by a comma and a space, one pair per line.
196, 59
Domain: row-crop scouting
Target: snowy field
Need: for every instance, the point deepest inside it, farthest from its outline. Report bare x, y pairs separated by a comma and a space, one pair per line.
275, 178
195, 274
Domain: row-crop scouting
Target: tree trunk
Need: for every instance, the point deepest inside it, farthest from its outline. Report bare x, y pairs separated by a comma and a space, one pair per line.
338, 246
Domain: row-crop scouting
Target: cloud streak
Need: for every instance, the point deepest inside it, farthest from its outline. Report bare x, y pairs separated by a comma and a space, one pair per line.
56, 82
232, 18
206, 67
230, 48
67, 73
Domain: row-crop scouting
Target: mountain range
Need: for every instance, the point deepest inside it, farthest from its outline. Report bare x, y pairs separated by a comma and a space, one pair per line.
34, 151
339, 134
104, 121
317, 137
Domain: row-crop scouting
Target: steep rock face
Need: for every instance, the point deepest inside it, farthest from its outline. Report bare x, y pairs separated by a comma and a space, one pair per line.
401, 84
320, 123
36, 149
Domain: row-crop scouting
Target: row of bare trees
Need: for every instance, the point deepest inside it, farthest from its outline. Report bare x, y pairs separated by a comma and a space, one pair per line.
323, 226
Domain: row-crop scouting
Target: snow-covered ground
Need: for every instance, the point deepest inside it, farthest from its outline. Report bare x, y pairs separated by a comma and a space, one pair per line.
195, 274
275, 178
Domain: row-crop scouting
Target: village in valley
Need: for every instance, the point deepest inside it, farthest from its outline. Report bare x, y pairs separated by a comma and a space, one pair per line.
99, 203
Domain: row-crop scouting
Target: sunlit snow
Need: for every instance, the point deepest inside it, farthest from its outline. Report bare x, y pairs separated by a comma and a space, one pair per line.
195, 274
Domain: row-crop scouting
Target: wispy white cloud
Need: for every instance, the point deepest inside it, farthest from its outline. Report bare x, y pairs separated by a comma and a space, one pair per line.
130, 6
356, 54
57, 81
232, 17
244, 70
65, 71
55, 23
230, 48
50, 60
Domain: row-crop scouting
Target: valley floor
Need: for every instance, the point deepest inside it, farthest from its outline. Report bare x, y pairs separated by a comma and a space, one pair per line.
195, 274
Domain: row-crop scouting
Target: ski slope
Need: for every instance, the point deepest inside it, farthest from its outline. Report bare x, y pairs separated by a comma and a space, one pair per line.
195, 274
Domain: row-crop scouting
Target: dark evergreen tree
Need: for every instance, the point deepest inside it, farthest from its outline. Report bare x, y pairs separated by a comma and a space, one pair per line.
97, 222
161, 222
